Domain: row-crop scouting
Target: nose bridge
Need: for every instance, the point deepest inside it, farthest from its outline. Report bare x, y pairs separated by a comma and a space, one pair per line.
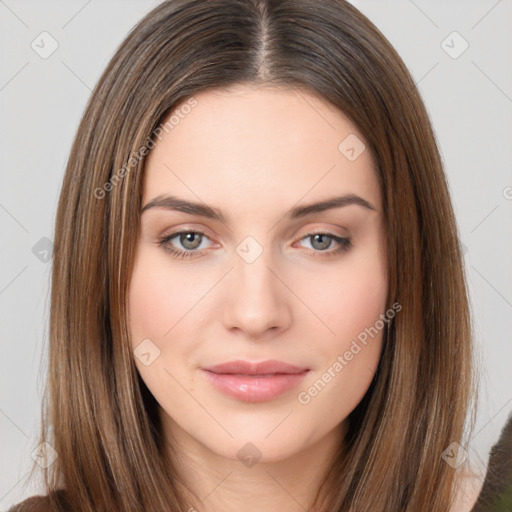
253, 263
252, 270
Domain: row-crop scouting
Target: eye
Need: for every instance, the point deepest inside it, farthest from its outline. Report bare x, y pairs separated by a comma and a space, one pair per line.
321, 241
191, 241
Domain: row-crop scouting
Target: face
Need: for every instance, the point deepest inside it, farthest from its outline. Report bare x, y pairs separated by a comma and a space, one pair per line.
262, 279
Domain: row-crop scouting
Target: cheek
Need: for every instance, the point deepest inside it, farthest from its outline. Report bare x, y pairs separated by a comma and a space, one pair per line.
159, 297
351, 305
151, 306
353, 298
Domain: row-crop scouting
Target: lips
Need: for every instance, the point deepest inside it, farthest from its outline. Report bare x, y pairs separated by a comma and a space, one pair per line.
254, 382
269, 367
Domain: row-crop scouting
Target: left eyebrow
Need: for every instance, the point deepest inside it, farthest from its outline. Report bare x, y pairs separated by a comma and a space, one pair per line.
328, 204
210, 212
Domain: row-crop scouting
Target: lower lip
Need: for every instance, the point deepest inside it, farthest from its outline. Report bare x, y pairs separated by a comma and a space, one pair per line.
253, 388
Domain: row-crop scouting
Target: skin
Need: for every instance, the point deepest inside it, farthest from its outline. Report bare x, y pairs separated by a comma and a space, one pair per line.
255, 153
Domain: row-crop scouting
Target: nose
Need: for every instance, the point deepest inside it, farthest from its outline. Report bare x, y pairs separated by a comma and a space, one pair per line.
257, 299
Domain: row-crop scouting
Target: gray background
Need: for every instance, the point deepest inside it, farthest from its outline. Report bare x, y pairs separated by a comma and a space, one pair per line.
469, 98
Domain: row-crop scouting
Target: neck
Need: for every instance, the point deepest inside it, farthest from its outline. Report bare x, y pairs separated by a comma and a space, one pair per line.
233, 484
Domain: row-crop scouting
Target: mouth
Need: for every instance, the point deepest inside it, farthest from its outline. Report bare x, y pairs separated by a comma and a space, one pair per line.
255, 382
269, 367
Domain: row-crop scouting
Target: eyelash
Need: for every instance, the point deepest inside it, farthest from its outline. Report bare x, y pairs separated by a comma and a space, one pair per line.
345, 244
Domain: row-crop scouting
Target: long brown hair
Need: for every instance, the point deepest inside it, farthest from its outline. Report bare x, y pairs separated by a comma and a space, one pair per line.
98, 414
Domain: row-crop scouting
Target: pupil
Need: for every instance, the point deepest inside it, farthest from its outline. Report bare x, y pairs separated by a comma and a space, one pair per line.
319, 237
189, 240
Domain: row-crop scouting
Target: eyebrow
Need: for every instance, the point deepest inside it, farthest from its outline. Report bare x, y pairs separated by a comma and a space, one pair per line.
175, 203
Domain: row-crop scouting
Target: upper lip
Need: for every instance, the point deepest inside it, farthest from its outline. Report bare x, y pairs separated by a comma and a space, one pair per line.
270, 366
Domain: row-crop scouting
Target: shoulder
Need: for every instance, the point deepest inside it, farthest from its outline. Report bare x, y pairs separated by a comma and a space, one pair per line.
469, 487
32, 504
42, 503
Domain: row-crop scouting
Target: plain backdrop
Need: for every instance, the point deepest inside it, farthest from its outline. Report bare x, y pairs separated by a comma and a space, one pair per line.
459, 54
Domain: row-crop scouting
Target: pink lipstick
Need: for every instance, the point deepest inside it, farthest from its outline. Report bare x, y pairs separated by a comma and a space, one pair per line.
255, 382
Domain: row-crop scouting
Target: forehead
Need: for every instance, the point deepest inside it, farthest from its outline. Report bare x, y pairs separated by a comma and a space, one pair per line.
252, 147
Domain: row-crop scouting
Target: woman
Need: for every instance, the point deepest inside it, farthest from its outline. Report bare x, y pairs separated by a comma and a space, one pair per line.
202, 356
